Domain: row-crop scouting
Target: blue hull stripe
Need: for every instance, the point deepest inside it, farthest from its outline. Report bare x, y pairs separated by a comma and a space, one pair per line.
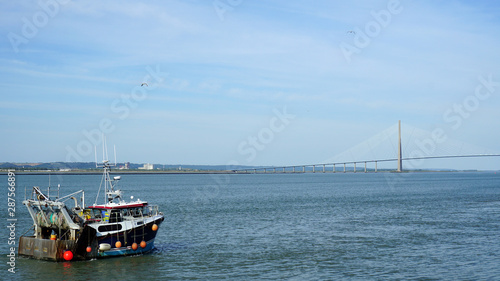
126, 251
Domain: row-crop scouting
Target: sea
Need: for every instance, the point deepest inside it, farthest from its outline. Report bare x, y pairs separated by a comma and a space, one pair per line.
322, 226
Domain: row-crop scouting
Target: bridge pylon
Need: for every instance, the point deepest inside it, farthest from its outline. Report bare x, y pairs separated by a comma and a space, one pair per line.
400, 156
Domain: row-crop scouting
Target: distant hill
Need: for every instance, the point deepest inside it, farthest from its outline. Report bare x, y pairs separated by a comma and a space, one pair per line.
48, 166
131, 166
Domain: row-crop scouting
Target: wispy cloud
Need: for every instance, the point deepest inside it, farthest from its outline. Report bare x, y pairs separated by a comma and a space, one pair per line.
226, 76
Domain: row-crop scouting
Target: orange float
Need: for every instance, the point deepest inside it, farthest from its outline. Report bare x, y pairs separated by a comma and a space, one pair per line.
155, 227
143, 244
68, 255
118, 244
134, 246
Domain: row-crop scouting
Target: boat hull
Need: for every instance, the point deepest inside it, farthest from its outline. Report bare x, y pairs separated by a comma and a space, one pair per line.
127, 238
53, 250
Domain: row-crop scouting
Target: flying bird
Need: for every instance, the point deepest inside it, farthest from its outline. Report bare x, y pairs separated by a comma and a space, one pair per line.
351, 32
144, 84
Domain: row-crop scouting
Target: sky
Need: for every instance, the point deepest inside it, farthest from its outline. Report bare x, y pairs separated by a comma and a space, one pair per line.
250, 82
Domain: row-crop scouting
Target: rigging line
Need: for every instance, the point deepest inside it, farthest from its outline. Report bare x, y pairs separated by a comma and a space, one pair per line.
409, 139
452, 156
135, 236
143, 224
117, 234
390, 140
98, 191
32, 227
350, 152
371, 150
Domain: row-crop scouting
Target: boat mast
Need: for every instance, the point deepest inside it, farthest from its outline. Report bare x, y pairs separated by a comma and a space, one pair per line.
106, 180
106, 177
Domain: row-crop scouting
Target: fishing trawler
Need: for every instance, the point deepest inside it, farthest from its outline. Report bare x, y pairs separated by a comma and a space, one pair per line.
114, 228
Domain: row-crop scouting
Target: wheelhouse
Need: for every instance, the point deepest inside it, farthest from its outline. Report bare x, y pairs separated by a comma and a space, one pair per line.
119, 213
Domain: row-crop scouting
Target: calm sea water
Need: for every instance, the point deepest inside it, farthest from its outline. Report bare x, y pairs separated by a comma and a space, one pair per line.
425, 226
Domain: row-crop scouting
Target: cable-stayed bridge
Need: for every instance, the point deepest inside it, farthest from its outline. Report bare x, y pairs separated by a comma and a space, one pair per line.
421, 145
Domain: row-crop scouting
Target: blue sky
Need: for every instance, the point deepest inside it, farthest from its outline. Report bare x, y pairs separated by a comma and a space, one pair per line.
249, 82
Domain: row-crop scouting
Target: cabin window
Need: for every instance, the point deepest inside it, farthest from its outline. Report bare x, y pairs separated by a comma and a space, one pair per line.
136, 212
126, 212
110, 227
96, 213
116, 216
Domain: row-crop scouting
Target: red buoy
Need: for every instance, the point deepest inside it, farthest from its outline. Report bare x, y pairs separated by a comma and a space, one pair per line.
143, 244
134, 246
89, 249
68, 255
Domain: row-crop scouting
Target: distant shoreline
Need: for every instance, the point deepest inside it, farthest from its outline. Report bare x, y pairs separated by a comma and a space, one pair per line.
86, 172
187, 172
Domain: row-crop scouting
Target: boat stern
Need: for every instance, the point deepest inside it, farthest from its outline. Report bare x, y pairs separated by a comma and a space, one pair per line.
46, 249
